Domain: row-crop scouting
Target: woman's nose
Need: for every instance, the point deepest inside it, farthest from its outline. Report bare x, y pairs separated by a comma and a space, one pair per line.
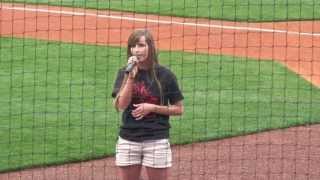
134, 49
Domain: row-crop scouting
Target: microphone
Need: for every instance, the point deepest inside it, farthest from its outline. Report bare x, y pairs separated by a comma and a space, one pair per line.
130, 65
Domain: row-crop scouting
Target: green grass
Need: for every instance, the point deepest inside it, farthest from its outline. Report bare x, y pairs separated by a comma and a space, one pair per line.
55, 102
236, 10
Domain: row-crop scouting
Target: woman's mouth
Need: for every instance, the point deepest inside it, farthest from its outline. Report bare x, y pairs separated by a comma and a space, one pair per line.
139, 57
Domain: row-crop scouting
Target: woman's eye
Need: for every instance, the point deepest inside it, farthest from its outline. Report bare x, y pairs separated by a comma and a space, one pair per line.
141, 45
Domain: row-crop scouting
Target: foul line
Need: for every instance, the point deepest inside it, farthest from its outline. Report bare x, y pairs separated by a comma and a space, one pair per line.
146, 20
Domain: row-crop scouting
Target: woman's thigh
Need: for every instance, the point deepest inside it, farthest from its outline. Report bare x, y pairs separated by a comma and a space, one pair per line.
157, 154
157, 173
129, 172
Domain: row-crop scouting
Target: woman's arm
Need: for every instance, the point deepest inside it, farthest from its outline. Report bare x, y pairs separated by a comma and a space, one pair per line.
174, 109
145, 108
123, 98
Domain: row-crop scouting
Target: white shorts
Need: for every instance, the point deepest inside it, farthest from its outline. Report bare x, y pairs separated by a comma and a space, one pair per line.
150, 153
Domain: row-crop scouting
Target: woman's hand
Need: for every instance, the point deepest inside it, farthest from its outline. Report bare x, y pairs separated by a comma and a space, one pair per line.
142, 110
133, 60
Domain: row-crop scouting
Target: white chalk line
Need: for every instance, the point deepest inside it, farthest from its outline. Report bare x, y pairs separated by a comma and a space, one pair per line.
156, 21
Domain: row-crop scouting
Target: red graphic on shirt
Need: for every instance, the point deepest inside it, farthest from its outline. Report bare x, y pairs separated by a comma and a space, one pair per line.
142, 94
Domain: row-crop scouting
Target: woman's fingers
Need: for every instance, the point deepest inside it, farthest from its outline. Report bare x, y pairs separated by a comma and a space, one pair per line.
133, 59
138, 113
138, 116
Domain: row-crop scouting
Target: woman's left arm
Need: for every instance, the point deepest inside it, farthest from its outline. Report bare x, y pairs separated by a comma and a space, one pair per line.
143, 109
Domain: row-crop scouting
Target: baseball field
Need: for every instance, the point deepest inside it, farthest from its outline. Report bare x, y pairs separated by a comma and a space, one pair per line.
249, 71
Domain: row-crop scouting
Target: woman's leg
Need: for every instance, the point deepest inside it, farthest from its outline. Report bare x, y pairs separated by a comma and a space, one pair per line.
157, 173
157, 158
129, 172
128, 159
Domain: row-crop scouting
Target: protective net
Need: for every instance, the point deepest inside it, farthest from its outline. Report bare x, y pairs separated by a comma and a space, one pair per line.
249, 72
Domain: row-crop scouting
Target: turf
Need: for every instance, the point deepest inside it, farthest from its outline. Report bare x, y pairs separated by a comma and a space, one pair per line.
235, 10
56, 106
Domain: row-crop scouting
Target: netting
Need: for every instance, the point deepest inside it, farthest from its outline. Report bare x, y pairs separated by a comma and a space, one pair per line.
248, 71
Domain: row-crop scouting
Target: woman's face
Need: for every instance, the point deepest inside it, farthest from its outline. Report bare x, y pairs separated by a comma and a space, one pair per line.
141, 50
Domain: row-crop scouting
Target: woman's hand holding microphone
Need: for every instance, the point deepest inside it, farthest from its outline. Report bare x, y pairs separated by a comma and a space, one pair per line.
132, 68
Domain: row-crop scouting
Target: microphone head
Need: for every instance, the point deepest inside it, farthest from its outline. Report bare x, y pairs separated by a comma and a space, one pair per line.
129, 67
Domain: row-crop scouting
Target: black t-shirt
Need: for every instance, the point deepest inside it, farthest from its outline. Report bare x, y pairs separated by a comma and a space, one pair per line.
145, 90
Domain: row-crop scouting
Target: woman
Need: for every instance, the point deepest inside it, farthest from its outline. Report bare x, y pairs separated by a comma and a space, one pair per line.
147, 94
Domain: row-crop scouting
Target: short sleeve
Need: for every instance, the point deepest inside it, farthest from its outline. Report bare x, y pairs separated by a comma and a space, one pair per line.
117, 83
174, 93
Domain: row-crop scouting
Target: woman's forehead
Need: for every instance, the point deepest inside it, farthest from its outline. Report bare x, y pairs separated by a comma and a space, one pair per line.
138, 40
141, 39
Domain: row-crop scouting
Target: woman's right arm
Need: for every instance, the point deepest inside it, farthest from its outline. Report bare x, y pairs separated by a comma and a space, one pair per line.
123, 98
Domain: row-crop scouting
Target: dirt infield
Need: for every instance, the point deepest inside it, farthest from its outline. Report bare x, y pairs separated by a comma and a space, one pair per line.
290, 154
287, 154
295, 44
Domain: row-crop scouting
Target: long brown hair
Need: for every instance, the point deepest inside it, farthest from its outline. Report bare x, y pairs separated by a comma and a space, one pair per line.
134, 39
152, 57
